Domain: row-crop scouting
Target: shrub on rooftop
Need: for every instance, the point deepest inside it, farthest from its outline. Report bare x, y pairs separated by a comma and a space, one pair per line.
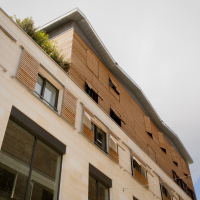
42, 39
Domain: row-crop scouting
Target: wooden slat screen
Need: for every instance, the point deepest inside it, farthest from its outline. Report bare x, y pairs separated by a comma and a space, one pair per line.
114, 135
184, 168
18, 142
28, 70
173, 154
165, 197
37, 192
88, 111
88, 132
92, 63
161, 140
69, 107
114, 155
20, 188
141, 178
138, 158
147, 123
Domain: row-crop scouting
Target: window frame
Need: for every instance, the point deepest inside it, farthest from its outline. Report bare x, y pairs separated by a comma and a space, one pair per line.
97, 197
140, 170
41, 95
94, 128
87, 89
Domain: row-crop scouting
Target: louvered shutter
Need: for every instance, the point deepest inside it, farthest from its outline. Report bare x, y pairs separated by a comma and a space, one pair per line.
28, 70
173, 154
69, 107
161, 140
184, 167
147, 123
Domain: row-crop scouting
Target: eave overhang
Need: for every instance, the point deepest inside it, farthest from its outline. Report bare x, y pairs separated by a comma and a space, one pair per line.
110, 63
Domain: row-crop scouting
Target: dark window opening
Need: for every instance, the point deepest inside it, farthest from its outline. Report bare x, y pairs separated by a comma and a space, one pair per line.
113, 86
164, 150
46, 195
139, 168
47, 92
165, 192
135, 198
186, 175
175, 163
97, 191
150, 134
91, 93
115, 117
99, 137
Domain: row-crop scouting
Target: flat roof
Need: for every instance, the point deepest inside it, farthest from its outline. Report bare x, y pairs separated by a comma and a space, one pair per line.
77, 16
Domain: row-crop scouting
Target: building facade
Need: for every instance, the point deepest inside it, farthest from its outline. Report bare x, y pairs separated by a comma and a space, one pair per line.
84, 133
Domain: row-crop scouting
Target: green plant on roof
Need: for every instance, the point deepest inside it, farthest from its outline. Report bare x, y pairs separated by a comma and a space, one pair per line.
42, 39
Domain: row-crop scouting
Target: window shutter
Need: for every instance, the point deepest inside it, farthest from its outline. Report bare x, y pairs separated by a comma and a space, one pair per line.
28, 70
161, 140
147, 123
20, 188
152, 153
173, 154
88, 111
184, 167
138, 158
69, 107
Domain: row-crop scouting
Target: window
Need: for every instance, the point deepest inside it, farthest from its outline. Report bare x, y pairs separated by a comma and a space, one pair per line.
99, 137
135, 198
139, 168
97, 191
115, 117
16, 181
91, 93
166, 193
47, 92
175, 163
150, 134
164, 150
113, 86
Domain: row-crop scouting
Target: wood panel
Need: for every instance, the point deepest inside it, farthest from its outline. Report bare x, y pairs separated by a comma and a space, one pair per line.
165, 197
161, 140
88, 111
141, 178
92, 62
69, 107
173, 154
130, 112
114, 155
88, 132
152, 153
28, 70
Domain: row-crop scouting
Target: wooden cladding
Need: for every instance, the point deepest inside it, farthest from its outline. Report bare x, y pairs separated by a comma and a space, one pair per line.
88, 132
173, 154
141, 178
161, 140
114, 155
147, 123
184, 167
28, 70
165, 197
69, 107
92, 62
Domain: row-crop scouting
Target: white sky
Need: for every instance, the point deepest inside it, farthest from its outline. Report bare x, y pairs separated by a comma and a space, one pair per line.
156, 42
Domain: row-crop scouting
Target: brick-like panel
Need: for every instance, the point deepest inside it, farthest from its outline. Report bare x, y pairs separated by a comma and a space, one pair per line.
69, 107
88, 132
141, 178
28, 70
114, 155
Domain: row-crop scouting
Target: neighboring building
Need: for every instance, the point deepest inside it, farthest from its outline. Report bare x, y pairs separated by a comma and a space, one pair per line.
88, 133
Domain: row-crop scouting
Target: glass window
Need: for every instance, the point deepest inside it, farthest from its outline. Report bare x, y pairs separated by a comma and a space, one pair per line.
97, 191
139, 168
46, 91
99, 137
15, 166
113, 86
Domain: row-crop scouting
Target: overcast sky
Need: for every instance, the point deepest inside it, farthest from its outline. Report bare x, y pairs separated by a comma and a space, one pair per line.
156, 42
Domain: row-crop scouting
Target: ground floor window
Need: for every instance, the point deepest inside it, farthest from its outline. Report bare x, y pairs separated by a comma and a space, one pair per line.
97, 191
29, 169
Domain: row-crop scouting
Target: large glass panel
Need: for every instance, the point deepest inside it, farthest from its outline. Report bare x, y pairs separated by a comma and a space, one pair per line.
101, 138
38, 86
102, 192
50, 94
45, 173
92, 194
15, 160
